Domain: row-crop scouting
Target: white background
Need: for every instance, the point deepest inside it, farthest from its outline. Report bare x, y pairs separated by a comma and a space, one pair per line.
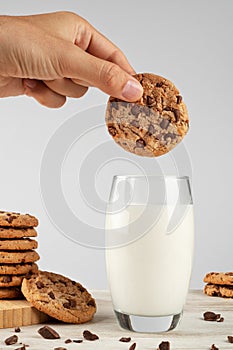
189, 42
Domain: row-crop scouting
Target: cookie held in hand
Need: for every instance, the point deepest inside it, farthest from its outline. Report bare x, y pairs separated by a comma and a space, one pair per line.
152, 126
59, 297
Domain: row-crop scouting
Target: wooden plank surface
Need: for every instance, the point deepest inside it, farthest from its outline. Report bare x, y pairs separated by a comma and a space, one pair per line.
16, 313
192, 333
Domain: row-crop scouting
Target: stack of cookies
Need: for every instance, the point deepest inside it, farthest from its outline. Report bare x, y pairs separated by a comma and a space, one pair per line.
219, 284
17, 252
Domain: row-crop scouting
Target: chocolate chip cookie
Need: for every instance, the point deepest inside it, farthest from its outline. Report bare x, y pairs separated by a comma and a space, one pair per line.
13, 232
59, 297
11, 280
18, 269
219, 290
152, 126
18, 257
11, 219
225, 278
10, 293
18, 244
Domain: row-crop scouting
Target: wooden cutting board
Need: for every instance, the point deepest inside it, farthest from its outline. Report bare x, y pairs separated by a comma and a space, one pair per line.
16, 313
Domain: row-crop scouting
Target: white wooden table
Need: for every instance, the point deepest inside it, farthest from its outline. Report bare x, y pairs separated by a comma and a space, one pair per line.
192, 333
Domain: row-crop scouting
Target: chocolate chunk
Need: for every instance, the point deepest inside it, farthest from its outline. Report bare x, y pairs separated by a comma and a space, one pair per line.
69, 304
150, 100
178, 99
81, 288
176, 114
77, 341
164, 345
140, 143
7, 279
66, 305
135, 110
91, 303
135, 123
21, 348
160, 84
52, 296
67, 341
39, 285
114, 104
17, 330
230, 338
164, 123
213, 347
211, 316
90, 336
11, 340
133, 346
125, 339
112, 131
48, 333
221, 319
151, 129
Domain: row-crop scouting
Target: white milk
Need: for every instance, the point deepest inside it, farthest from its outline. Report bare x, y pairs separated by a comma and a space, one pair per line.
150, 276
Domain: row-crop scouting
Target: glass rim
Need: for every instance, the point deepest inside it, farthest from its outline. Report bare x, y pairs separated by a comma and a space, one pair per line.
172, 177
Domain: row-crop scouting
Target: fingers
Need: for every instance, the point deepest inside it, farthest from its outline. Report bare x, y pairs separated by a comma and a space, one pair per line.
66, 87
103, 48
38, 90
107, 76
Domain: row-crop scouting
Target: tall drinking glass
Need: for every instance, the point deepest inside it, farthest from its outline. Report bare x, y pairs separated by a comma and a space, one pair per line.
149, 250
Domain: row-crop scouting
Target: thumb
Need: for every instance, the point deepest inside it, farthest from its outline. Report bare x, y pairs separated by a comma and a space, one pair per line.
107, 76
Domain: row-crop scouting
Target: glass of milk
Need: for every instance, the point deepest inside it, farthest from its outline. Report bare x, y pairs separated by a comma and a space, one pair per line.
149, 250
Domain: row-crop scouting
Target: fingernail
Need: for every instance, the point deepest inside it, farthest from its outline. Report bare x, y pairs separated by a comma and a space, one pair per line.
30, 83
132, 90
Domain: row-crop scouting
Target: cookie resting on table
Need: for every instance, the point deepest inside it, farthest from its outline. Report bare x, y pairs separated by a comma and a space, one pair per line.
59, 297
152, 126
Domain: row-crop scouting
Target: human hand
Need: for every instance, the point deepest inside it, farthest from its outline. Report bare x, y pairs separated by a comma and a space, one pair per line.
52, 56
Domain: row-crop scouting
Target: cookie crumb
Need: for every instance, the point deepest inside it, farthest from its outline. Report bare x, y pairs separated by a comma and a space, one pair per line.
133, 346
67, 341
17, 330
221, 319
164, 345
90, 336
48, 333
125, 339
77, 341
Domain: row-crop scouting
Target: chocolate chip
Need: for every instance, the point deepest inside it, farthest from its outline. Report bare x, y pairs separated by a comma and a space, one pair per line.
81, 288
135, 123
230, 338
90, 336
69, 304
112, 131
17, 330
164, 345
39, 284
48, 333
164, 124
77, 341
72, 303
151, 129
29, 275
125, 339
60, 348
178, 99
227, 273
176, 114
160, 84
91, 303
21, 348
7, 279
66, 305
140, 143
211, 316
114, 104
11, 218
169, 135
67, 341
136, 109
150, 100
52, 296
221, 319
11, 340
169, 109
133, 346
213, 347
